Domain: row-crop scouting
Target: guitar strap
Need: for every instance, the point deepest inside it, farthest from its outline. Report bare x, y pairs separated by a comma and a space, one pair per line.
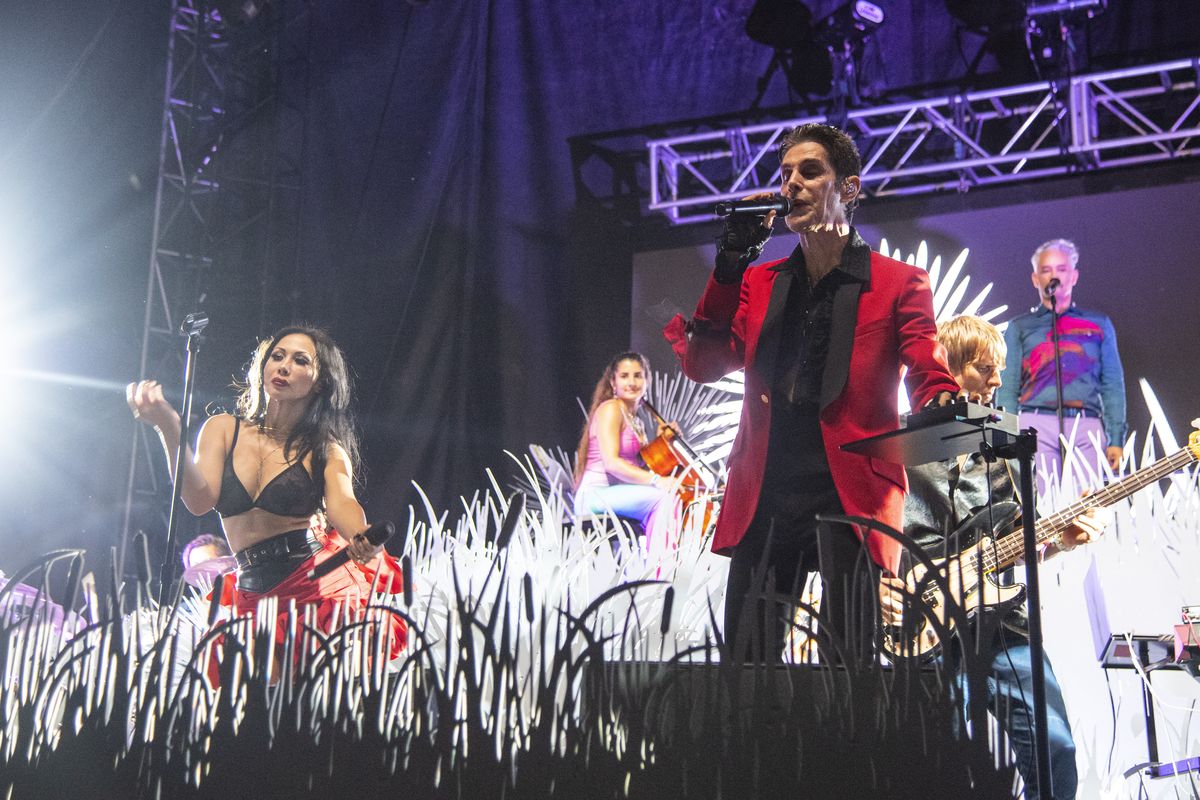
952, 499
1013, 478
961, 507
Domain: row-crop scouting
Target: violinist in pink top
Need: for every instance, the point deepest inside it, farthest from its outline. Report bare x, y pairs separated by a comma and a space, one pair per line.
609, 472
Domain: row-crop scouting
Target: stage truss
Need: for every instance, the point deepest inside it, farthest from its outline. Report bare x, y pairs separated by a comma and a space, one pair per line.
1133, 116
226, 201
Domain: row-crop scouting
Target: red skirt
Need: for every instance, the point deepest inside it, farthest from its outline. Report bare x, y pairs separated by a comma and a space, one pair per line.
346, 587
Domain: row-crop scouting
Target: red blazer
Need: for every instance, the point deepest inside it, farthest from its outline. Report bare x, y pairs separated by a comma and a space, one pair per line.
877, 327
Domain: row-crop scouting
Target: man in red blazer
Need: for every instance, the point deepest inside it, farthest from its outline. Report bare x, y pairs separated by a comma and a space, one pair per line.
822, 337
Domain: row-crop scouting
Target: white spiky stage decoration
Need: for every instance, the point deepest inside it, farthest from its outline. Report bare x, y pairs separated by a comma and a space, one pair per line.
1148, 566
554, 567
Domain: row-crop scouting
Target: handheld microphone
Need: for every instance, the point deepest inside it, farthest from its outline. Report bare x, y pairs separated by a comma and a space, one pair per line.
1052, 287
755, 208
377, 534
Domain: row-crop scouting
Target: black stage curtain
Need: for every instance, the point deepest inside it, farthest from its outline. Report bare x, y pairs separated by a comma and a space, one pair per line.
440, 237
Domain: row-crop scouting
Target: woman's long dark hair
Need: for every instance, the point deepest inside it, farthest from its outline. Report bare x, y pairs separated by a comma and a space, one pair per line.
601, 393
327, 419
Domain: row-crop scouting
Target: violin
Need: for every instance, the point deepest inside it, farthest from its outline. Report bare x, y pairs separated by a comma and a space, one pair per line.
670, 456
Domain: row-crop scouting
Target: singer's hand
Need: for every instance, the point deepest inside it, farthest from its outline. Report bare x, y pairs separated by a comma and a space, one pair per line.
741, 241
941, 399
361, 551
146, 401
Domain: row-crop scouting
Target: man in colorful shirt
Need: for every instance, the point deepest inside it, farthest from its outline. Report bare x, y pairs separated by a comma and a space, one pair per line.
1093, 382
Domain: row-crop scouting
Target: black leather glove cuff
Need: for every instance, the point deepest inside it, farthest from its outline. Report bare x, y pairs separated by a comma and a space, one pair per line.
740, 242
730, 266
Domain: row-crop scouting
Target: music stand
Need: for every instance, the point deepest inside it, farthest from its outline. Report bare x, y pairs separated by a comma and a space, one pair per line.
960, 428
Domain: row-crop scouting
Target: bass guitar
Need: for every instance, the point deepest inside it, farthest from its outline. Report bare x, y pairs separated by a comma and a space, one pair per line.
989, 542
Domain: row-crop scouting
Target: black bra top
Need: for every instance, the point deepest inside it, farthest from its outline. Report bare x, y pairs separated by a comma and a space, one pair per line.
291, 493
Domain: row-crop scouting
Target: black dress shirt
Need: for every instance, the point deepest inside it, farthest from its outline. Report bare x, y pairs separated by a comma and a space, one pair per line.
797, 475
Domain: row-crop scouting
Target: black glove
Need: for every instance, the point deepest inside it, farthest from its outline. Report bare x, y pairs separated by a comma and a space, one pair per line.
739, 244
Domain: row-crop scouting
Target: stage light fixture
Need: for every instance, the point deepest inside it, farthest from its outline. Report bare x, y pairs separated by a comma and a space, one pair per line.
851, 24
1002, 23
816, 58
1029, 40
1050, 30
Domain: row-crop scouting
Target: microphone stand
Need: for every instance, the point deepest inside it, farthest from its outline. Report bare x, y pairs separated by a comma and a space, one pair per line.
1023, 448
1058, 385
191, 327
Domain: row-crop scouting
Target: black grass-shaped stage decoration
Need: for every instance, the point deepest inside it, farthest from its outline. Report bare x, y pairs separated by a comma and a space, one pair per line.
530, 671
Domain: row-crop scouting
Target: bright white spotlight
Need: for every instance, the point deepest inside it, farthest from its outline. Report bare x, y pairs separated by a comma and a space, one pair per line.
10, 302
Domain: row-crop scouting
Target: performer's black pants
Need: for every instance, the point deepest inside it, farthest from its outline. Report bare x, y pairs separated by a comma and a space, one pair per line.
767, 574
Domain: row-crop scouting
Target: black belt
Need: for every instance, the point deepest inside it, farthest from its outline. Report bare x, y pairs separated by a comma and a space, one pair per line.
284, 547
1068, 411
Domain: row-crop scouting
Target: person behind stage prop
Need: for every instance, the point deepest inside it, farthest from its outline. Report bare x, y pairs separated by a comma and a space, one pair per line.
204, 558
822, 337
277, 472
1092, 377
609, 472
944, 494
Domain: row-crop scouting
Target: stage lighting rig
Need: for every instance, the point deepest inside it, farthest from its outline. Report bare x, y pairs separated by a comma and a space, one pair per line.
850, 25
816, 58
1050, 30
844, 34
1028, 38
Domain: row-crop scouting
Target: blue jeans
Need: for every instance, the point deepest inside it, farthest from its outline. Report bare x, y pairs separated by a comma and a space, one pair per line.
1010, 699
649, 505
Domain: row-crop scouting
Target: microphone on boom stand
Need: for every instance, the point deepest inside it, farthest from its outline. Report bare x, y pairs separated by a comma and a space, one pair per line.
1051, 287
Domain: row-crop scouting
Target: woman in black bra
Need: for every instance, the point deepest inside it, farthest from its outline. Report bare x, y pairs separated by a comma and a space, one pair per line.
280, 474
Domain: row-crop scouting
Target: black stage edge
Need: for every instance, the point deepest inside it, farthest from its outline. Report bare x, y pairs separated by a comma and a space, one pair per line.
793, 731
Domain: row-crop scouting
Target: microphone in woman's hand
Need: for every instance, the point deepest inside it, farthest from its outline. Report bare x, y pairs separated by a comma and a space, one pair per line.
377, 534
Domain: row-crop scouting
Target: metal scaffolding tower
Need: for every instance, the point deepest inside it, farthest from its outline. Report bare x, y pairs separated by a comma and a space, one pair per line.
1092, 122
226, 204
